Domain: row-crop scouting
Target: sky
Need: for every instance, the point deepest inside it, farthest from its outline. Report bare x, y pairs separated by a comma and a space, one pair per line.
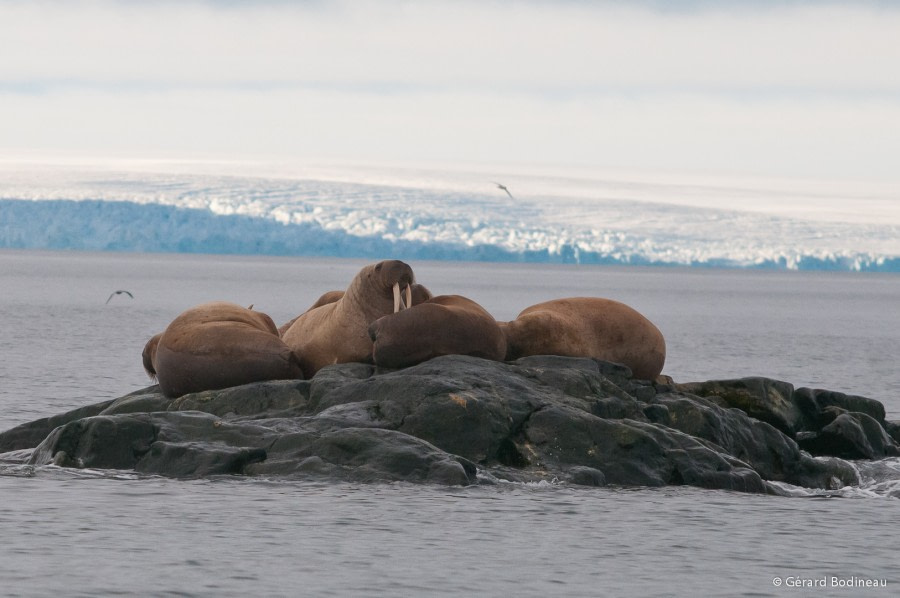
784, 89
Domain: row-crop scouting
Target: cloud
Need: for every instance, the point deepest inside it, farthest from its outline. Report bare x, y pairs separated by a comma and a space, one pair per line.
539, 47
798, 89
668, 132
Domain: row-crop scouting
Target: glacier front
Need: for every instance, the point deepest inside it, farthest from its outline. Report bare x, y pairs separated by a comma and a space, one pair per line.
446, 214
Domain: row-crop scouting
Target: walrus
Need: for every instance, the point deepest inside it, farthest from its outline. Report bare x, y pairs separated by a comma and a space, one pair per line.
338, 332
217, 345
443, 325
148, 355
419, 294
325, 299
588, 327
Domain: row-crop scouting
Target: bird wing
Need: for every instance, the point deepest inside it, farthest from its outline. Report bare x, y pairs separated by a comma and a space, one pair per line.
114, 293
503, 187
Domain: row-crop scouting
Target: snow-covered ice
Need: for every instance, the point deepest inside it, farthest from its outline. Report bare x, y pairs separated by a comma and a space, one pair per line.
563, 215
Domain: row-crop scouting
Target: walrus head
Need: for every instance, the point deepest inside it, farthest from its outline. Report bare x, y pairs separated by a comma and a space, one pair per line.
149, 355
420, 294
397, 277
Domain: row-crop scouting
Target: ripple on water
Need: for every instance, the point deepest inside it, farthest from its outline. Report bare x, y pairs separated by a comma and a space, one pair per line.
99, 532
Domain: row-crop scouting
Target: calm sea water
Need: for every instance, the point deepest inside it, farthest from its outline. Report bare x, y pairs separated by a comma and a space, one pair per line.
76, 532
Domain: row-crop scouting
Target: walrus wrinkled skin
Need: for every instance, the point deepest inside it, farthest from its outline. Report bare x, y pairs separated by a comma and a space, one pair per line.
588, 327
443, 325
217, 345
338, 332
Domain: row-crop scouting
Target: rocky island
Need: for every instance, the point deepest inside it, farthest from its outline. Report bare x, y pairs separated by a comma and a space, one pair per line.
462, 420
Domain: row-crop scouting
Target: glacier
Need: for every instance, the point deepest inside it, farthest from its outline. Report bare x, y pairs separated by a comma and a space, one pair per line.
446, 215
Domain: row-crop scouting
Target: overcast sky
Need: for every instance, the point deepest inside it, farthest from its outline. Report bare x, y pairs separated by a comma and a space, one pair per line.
806, 89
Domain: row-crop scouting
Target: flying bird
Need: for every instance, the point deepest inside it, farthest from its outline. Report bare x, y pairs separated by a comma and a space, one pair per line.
499, 186
114, 293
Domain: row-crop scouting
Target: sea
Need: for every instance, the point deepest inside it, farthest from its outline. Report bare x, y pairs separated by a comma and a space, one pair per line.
68, 341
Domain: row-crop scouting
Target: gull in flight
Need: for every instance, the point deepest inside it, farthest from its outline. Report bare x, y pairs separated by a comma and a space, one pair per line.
114, 293
499, 186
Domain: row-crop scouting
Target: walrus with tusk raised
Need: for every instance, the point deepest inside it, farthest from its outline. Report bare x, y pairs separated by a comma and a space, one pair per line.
588, 327
218, 345
338, 332
443, 325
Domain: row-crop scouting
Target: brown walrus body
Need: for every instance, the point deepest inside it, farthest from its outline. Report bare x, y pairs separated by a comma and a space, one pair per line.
588, 327
329, 297
217, 345
443, 325
419, 294
338, 332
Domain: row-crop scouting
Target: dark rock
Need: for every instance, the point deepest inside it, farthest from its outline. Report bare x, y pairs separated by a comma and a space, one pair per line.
586, 476
629, 452
757, 443
101, 442
463, 405
336, 376
139, 402
893, 429
365, 454
576, 376
827, 473
851, 436
609, 369
152, 443
195, 459
616, 408
770, 452
445, 420
262, 398
826, 416
818, 400
767, 400
657, 414
642, 393
30, 434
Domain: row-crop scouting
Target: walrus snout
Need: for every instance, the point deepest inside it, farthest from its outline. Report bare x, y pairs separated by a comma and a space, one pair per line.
395, 271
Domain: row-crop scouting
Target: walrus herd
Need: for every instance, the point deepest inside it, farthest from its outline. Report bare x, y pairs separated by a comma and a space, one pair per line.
385, 318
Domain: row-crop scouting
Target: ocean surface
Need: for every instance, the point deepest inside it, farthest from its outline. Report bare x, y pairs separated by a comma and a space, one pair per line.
87, 533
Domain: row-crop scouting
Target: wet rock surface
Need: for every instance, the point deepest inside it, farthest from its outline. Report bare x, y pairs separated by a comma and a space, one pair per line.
462, 420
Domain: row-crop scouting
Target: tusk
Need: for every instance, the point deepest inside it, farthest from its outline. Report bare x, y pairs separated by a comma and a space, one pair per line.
396, 297
408, 297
